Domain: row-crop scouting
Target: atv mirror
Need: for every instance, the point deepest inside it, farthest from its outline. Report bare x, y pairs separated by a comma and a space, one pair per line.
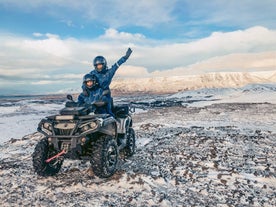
70, 97
99, 103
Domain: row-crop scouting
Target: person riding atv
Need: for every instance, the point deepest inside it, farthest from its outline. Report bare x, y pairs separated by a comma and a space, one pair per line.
77, 132
105, 75
94, 93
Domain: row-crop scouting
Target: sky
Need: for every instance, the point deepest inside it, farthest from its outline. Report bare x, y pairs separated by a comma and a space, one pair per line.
47, 46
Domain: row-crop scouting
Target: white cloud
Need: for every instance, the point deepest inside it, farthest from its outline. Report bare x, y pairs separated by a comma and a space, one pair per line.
69, 23
50, 82
238, 62
113, 34
51, 45
37, 34
51, 58
243, 14
252, 40
114, 13
132, 71
70, 76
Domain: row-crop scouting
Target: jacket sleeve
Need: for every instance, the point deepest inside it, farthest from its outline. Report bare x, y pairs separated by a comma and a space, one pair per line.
111, 72
81, 99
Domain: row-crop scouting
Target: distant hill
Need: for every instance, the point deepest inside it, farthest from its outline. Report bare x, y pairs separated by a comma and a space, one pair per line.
173, 84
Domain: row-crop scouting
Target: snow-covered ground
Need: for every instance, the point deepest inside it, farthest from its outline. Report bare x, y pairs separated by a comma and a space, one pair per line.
22, 117
209, 147
253, 93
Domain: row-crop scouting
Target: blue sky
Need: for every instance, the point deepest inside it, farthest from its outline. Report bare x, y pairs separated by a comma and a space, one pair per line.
47, 46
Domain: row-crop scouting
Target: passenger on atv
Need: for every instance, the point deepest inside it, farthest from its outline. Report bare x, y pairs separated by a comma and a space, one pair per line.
104, 75
93, 94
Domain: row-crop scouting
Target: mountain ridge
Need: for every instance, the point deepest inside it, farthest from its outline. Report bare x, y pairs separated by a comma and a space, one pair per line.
173, 84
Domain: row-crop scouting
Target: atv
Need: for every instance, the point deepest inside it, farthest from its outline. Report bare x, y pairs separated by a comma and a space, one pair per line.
78, 133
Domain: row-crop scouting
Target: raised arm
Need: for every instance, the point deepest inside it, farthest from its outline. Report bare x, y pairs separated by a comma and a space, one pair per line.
111, 72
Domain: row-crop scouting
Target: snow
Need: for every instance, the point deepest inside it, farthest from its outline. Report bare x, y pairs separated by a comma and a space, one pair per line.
253, 93
23, 118
173, 84
216, 151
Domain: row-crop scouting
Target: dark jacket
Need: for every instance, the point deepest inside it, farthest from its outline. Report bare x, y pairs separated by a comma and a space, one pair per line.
105, 76
104, 79
95, 94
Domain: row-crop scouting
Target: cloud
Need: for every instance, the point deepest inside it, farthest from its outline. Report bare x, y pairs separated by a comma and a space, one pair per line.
69, 23
226, 13
50, 82
44, 82
132, 71
238, 62
37, 34
114, 13
47, 58
52, 45
145, 13
68, 76
113, 34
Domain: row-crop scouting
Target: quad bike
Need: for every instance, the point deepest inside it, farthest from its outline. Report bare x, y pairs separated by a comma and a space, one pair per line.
79, 133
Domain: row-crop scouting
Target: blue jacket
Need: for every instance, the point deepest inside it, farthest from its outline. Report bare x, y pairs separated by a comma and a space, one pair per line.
106, 75
94, 94
104, 79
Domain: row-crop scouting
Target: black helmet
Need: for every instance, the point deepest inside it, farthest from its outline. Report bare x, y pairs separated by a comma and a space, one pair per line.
89, 77
99, 60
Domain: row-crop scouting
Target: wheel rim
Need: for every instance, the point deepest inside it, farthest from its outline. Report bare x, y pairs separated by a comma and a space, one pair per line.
111, 157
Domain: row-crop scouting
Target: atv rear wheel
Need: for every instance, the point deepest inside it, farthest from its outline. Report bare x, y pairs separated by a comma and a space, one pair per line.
130, 143
104, 156
41, 153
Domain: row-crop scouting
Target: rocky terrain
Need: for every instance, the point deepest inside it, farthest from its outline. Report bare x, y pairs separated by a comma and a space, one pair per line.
217, 155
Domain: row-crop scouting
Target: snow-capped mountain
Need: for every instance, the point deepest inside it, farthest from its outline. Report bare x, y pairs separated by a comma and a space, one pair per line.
173, 84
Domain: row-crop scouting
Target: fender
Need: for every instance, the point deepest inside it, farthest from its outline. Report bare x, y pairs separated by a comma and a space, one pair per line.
123, 124
109, 127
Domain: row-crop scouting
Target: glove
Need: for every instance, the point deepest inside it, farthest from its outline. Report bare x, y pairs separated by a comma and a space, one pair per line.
90, 107
128, 53
71, 104
85, 92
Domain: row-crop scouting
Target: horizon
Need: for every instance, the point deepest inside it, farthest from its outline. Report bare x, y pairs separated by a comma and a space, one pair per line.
47, 46
116, 93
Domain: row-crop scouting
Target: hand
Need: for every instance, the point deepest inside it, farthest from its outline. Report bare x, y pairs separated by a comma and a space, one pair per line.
128, 52
90, 107
71, 104
85, 92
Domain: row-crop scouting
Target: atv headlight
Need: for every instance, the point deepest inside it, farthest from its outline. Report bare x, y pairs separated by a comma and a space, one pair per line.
48, 126
93, 125
85, 128
89, 126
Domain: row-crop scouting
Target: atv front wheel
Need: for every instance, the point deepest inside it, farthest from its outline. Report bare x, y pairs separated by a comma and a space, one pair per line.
41, 153
130, 143
104, 156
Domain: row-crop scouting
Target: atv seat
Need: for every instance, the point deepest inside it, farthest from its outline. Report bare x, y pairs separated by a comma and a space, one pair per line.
79, 111
121, 110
